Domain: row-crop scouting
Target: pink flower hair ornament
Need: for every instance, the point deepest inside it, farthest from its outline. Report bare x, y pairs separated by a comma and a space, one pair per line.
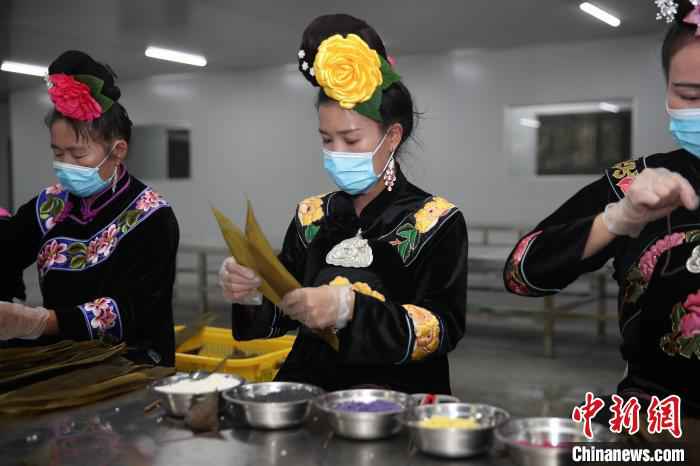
78, 97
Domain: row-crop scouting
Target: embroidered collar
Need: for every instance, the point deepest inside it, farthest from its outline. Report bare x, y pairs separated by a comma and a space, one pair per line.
84, 210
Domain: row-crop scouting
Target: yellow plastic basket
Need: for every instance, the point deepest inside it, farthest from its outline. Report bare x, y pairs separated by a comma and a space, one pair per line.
216, 343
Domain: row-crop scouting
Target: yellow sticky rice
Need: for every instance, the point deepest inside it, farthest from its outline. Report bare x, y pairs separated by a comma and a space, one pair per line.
444, 422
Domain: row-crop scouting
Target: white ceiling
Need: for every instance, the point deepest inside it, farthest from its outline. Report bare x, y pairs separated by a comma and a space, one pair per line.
243, 34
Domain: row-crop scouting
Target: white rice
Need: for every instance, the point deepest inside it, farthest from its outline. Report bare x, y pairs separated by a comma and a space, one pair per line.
212, 383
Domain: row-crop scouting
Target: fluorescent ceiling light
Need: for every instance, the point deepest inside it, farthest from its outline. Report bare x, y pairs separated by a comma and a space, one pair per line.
174, 55
600, 14
23, 68
530, 123
608, 107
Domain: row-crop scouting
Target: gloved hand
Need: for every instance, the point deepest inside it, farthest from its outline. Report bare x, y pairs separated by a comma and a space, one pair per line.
320, 308
20, 321
239, 284
655, 193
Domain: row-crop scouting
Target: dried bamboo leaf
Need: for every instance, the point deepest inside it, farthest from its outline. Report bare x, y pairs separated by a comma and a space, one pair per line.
85, 353
117, 384
269, 265
239, 248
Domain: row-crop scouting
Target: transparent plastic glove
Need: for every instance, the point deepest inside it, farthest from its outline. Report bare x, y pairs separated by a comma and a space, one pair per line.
239, 284
20, 321
655, 193
320, 308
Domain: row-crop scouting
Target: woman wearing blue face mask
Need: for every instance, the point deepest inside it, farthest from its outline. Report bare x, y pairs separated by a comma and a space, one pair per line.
643, 214
382, 262
104, 243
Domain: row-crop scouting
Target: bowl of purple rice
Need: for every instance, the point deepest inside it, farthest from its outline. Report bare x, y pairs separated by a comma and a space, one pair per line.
365, 414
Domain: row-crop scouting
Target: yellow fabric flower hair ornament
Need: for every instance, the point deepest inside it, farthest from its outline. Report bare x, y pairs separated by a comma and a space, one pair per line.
353, 74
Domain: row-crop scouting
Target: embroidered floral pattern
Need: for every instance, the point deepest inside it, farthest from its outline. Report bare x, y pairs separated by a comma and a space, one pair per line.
640, 274
103, 318
150, 200
624, 170
648, 261
412, 234
684, 339
427, 330
514, 279
359, 287
51, 254
430, 214
309, 212
53, 207
622, 175
70, 254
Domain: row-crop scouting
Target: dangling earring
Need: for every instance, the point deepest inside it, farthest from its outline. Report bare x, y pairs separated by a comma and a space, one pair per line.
390, 175
114, 178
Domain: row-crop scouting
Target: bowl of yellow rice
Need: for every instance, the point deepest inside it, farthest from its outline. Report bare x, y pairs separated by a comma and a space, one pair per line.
454, 430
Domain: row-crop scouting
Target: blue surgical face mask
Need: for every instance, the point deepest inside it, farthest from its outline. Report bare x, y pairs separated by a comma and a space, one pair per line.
685, 127
82, 181
353, 172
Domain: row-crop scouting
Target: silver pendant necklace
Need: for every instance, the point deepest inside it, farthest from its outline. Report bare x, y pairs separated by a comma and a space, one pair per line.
352, 252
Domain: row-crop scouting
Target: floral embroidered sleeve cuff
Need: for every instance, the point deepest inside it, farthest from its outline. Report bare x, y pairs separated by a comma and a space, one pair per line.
93, 320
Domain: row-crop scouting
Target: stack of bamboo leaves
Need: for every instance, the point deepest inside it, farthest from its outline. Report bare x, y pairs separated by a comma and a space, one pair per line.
68, 374
253, 250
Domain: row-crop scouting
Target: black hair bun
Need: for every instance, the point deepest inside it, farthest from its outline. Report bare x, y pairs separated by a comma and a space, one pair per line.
326, 26
75, 62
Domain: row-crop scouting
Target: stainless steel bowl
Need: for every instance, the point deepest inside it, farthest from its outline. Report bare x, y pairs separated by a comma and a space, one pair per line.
455, 442
180, 404
440, 399
546, 441
363, 425
247, 403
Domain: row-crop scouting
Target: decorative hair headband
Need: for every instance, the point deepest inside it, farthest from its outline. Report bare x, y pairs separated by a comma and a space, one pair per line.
78, 97
351, 73
668, 9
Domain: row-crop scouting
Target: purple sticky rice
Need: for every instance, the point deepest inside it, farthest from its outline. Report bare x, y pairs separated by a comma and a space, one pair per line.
376, 406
